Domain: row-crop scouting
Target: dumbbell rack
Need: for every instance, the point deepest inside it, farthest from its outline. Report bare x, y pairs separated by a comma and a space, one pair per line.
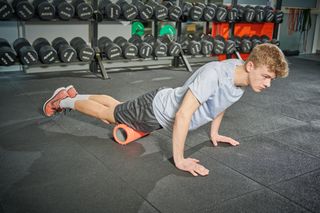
271, 29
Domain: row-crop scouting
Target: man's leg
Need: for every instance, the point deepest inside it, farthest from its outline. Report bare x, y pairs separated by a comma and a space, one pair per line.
106, 100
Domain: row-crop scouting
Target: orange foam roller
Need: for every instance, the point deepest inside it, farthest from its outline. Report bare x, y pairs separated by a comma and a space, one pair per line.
124, 134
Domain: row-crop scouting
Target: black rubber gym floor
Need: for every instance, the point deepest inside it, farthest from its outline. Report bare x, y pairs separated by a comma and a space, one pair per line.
70, 163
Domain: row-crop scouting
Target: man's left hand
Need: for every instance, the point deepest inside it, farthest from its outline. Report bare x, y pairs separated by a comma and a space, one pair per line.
216, 138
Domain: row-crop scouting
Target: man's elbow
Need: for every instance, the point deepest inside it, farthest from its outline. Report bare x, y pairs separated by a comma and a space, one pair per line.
183, 115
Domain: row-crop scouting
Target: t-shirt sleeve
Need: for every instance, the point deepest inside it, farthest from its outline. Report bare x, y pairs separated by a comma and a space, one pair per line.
204, 85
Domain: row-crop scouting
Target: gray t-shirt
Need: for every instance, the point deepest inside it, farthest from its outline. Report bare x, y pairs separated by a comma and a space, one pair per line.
213, 86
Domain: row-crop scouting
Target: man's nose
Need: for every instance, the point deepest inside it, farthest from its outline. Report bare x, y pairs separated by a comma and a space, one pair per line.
268, 83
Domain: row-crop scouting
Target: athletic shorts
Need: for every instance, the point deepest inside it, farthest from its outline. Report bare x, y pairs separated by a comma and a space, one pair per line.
138, 113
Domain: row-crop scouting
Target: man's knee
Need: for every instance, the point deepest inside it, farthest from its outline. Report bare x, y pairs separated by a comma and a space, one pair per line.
107, 114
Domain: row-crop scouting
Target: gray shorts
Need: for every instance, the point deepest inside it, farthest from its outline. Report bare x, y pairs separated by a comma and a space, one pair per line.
138, 113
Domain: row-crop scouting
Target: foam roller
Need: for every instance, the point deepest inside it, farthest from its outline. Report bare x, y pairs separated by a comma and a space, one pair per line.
123, 134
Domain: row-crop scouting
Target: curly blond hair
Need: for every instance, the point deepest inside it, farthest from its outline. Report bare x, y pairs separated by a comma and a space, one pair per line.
271, 56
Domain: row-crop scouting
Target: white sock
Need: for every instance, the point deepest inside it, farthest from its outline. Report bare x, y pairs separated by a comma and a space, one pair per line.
69, 102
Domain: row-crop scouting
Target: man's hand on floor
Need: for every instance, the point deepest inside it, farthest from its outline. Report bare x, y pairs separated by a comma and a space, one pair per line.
216, 138
192, 165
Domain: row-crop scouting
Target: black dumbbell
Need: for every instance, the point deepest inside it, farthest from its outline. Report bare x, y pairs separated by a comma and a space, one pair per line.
249, 14
241, 10
173, 47
219, 45
275, 42
44, 9
144, 49
174, 12
129, 50
84, 51
160, 12
196, 11
259, 14
7, 54
145, 11
84, 10
232, 14
245, 45
6, 10
221, 13
159, 48
26, 53
110, 10
109, 48
206, 44
229, 45
46, 53
24, 9
269, 14
264, 39
65, 52
186, 7
255, 40
209, 12
190, 46
129, 11
65, 10
278, 17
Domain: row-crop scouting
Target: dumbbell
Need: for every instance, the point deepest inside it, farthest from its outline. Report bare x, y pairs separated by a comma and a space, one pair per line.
241, 10
255, 40
129, 11
232, 14
46, 53
160, 12
243, 44
111, 50
24, 9
269, 14
7, 54
109, 10
45, 10
65, 11
84, 10
84, 51
174, 12
259, 14
278, 17
196, 12
65, 52
186, 7
144, 49
264, 39
159, 48
219, 45
209, 12
221, 13
26, 53
249, 13
145, 11
6, 10
229, 45
275, 42
190, 46
173, 47
129, 50
206, 44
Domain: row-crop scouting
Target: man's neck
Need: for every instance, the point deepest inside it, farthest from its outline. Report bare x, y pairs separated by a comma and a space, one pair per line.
241, 76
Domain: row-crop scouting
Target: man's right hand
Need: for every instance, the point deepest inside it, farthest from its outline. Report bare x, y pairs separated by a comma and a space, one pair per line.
192, 165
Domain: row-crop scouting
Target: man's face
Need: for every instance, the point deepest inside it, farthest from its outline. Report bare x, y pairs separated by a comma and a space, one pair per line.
259, 77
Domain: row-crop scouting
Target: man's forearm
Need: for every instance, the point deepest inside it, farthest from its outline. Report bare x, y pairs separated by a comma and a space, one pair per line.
179, 135
215, 125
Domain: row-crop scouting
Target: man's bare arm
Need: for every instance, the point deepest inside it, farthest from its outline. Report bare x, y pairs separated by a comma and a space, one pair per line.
180, 131
214, 134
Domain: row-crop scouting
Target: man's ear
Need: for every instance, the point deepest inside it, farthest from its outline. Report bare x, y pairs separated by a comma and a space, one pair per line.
249, 66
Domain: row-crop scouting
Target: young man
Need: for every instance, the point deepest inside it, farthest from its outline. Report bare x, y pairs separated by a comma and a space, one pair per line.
204, 97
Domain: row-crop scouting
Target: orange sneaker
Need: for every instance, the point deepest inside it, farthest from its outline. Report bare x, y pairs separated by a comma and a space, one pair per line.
52, 105
72, 92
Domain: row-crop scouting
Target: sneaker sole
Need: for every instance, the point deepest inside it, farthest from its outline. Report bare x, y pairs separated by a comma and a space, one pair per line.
54, 94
